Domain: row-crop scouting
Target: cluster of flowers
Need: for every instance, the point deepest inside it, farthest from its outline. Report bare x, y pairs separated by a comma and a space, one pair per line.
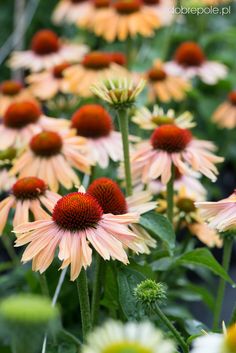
45, 161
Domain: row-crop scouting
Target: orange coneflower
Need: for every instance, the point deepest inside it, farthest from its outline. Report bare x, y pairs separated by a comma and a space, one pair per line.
52, 156
71, 11
47, 50
190, 61
76, 222
225, 114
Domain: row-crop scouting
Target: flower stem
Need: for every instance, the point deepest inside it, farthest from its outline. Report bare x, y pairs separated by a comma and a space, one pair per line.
44, 285
82, 287
124, 128
170, 195
96, 289
171, 327
10, 249
227, 251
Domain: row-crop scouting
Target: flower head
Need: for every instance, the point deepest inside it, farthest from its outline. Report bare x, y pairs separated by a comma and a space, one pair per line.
94, 123
115, 337
170, 144
112, 200
77, 221
29, 195
189, 61
46, 50
52, 156
149, 120
220, 215
120, 93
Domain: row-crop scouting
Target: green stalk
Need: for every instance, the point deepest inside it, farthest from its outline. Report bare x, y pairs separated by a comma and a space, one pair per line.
82, 287
171, 327
227, 251
44, 285
170, 195
97, 283
10, 249
124, 128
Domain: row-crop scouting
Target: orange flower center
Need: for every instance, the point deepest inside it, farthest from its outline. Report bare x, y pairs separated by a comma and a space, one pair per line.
118, 58
232, 97
92, 120
170, 138
156, 74
29, 188
126, 7
58, 70
152, 2
10, 88
109, 196
101, 3
20, 114
77, 211
45, 42
96, 60
231, 339
189, 54
46, 144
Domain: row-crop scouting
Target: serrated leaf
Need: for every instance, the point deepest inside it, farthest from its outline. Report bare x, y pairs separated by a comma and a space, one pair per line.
159, 227
204, 258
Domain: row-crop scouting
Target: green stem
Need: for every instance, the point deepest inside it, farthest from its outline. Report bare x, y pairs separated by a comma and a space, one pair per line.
170, 195
124, 128
44, 285
10, 249
171, 327
82, 287
227, 251
96, 289
71, 337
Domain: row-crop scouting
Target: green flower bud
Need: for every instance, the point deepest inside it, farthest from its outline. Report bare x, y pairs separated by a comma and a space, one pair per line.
149, 292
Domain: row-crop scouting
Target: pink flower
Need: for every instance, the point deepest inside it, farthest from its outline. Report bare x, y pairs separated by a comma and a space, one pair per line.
28, 194
52, 157
47, 50
77, 221
170, 144
190, 61
22, 120
219, 215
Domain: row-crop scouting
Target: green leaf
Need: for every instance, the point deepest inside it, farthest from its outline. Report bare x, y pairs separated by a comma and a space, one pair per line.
110, 298
159, 227
204, 258
127, 281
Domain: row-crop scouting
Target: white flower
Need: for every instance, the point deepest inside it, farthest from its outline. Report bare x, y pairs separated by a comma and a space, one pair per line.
115, 337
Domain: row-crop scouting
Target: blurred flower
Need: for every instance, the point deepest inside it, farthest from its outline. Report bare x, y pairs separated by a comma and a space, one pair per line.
76, 221
125, 19
94, 123
225, 114
190, 61
47, 50
220, 215
163, 10
22, 120
94, 67
164, 86
52, 156
170, 144
112, 200
88, 20
133, 337
12, 91
216, 343
191, 184
47, 84
24, 319
121, 93
70, 11
28, 195
149, 120
6, 181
